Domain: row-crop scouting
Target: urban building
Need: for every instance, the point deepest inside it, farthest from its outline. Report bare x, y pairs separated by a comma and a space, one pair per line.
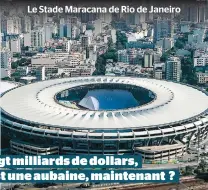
163, 28
166, 43
158, 74
27, 79
22, 70
202, 77
26, 24
13, 25
40, 73
200, 58
173, 69
38, 37
27, 39
123, 56
148, 58
98, 26
5, 63
85, 41
15, 46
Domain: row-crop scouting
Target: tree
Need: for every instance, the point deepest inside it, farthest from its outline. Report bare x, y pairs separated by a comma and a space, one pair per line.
14, 65
16, 76
189, 170
164, 57
206, 39
179, 44
100, 65
110, 42
17, 55
111, 54
203, 165
90, 27
6, 78
121, 40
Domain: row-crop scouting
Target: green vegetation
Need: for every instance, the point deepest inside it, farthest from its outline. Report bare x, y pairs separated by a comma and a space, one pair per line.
90, 27
100, 65
179, 44
121, 40
202, 167
6, 78
110, 43
16, 76
181, 41
206, 39
167, 54
188, 74
25, 48
111, 54
17, 55
21, 62
101, 61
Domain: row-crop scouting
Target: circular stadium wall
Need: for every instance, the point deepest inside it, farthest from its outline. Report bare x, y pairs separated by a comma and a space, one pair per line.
165, 119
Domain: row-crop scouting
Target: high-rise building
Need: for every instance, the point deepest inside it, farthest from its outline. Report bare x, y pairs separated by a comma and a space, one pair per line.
65, 29
98, 27
166, 43
5, 63
13, 25
113, 35
5, 59
148, 59
139, 18
38, 37
26, 24
86, 17
163, 28
36, 21
173, 69
48, 29
75, 32
68, 30
15, 46
85, 41
40, 73
194, 13
27, 39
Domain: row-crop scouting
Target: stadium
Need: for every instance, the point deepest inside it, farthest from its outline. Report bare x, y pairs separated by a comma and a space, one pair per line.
105, 115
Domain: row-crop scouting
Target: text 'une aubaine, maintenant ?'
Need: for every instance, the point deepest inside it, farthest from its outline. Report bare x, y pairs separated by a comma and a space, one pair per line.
112, 9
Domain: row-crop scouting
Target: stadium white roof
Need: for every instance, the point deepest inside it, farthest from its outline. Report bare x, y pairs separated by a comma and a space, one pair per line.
35, 102
5, 85
89, 102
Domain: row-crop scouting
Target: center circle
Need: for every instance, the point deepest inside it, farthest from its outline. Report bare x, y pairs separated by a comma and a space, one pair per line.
105, 96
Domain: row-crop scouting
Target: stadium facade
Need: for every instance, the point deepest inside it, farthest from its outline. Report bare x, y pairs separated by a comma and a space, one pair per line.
158, 119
